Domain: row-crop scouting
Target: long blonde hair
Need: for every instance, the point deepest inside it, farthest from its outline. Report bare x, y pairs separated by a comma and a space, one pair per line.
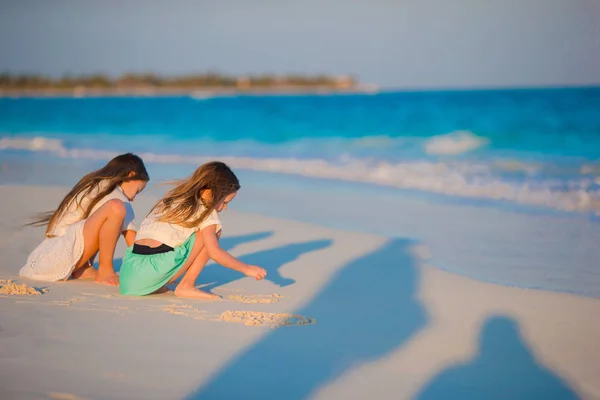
180, 206
123, 168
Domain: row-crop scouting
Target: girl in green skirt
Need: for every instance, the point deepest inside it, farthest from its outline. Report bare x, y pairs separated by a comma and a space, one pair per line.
180, 234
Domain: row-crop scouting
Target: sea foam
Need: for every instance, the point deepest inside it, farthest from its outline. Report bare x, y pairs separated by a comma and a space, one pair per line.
454, 143
456, 178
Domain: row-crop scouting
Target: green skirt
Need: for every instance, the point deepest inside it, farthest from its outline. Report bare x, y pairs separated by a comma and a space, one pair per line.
143, 274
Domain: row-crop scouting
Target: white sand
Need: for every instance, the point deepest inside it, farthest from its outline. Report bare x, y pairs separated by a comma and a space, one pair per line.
388, 326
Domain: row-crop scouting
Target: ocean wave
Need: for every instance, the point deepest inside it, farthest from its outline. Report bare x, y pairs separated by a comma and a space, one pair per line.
466, 179
37, 143
454, 143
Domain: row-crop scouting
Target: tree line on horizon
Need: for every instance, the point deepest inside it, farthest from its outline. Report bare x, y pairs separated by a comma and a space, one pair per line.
191, 81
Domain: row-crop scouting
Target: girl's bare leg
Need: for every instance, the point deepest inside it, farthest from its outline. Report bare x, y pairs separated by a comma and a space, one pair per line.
187, 286
100, 233
191, 270
87, 271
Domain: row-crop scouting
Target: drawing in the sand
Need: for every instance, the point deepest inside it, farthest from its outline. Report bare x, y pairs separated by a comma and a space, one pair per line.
89, 302
247, 318
256, 299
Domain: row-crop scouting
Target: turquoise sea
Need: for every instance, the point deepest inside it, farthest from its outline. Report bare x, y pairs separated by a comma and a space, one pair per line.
530, 151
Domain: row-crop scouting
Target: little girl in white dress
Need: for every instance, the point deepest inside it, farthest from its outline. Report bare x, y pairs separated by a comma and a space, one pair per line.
88, 221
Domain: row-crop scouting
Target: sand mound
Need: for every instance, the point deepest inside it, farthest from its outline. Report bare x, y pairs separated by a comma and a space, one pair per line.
273, 320
248, 318
11, 288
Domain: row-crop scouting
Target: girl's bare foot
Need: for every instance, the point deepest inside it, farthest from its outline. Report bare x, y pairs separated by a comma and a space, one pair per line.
112, 280
194, 293
87, 272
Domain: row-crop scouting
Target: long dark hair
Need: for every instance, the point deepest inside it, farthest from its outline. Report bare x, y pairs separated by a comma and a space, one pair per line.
122, 168
181, 204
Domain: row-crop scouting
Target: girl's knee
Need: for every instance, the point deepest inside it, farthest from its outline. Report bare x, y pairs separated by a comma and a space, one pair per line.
116, 208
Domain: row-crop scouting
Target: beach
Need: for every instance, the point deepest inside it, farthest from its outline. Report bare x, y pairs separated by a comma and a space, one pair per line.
415, 185
341, 314
434, 245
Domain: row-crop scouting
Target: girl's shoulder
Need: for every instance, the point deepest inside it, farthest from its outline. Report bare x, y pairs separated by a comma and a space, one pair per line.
118, 193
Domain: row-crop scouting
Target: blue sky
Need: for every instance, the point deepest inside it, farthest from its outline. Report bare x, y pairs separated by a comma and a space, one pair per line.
401, 43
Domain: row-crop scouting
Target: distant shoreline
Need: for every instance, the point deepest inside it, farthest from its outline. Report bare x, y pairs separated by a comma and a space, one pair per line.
203, 92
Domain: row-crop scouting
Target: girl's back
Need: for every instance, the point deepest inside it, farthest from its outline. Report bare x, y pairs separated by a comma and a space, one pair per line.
76, 210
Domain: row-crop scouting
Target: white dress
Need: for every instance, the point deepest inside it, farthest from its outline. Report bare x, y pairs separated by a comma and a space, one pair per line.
56, 257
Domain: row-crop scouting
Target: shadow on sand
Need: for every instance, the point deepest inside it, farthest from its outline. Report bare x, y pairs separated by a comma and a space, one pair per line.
271, 260
228, 243
504, 369
366, 311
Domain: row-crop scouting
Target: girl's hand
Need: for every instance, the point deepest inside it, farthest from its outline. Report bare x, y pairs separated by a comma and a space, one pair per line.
255, 272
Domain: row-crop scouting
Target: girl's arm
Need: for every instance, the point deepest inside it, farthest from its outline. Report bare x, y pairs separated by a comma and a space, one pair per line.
222, 257
129, 237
